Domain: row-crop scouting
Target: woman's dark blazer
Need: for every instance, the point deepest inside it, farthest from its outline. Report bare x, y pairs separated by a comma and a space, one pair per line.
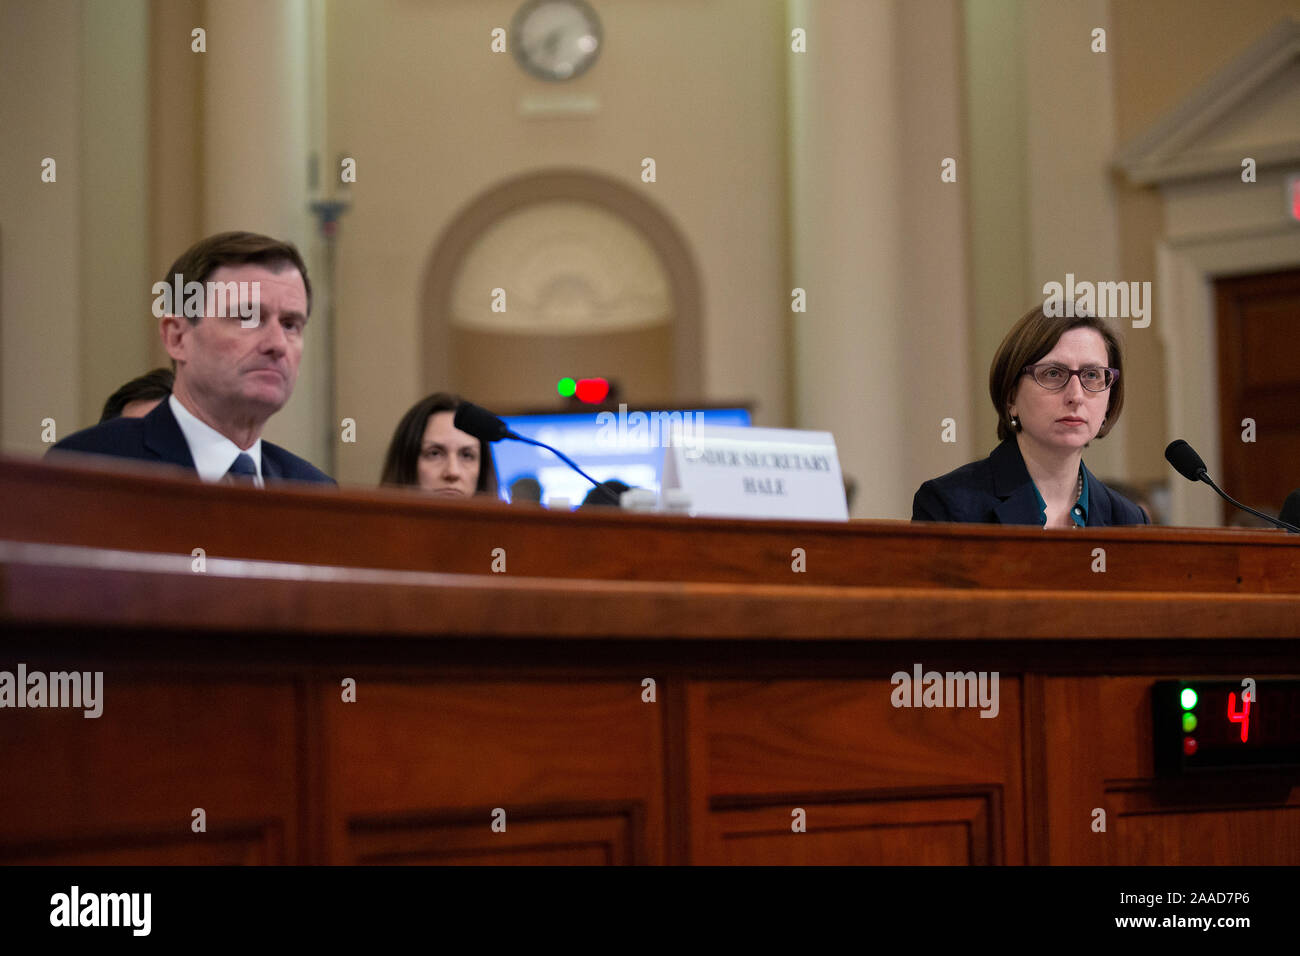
998, 490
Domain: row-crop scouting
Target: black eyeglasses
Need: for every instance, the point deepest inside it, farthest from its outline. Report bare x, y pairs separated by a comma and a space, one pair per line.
1055, 377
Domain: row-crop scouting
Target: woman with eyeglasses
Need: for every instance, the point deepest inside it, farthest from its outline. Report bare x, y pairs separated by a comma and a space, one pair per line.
1056, 385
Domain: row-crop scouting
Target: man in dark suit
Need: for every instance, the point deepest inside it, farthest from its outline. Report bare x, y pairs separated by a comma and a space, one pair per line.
236, 345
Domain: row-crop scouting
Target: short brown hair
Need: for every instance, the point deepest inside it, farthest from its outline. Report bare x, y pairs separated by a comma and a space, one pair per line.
206, 256
1029, 340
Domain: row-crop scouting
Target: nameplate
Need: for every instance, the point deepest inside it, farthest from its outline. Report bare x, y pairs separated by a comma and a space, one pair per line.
757, 473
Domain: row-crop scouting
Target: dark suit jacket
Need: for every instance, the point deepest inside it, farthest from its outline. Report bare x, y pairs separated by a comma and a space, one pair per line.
998, 490
158, 437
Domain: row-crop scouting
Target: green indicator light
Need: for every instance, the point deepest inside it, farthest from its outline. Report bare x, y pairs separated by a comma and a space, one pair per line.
1189, 723
1188, 697
567, 387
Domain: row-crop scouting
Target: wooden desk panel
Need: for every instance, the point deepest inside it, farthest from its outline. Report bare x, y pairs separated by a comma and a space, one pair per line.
570, 768
872, 830
841, 751
397, 529
1103, 759
121, 788
522, 690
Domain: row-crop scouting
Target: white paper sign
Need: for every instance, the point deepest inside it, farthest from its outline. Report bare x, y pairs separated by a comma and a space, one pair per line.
758, 473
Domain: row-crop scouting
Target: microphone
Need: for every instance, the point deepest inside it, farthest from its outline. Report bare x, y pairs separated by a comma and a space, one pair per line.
480, 423
1189, 464
1291, 509
485, 426
1185, 461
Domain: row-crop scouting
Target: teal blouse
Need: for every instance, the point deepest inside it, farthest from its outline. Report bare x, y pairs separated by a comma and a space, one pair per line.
1079, 513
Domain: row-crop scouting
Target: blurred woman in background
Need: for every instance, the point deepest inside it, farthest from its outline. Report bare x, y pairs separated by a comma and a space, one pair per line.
430, 453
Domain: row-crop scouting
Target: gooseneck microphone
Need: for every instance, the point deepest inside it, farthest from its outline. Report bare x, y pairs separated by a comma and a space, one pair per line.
480, 423
1291, 509
483, 425
1189, 464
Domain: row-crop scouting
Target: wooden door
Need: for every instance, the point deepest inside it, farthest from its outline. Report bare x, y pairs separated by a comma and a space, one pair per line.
1259, 381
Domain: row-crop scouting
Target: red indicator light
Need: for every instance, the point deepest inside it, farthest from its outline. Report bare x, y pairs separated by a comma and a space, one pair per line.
1189, 745
1243, 717
1295, 199
592, 391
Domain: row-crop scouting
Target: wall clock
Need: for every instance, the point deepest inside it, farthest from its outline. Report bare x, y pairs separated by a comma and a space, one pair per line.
556, 40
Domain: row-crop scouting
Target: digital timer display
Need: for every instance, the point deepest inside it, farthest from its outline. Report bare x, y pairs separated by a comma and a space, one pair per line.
1212, 725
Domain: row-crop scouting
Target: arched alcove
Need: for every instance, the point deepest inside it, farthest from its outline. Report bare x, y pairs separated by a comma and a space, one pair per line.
660, 276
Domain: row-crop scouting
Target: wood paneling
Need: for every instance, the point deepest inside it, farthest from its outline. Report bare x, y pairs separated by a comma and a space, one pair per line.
1101, 757
405, 530
862, 830
122, 787
583, 835
1257, 318
253, 844
1234, 835
810, 741
524, 690
44, 586
431, 746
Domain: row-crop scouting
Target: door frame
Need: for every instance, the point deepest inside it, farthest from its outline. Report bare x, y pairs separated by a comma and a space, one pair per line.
1185, 318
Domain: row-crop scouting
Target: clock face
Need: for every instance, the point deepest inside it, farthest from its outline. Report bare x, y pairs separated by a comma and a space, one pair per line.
556, 39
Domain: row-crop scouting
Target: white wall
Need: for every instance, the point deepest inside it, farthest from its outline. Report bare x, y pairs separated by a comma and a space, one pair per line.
40, 223
697, 86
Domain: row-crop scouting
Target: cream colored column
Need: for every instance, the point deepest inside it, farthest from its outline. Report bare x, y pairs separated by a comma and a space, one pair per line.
846, 217
1073, 215
175, 184
40, 222
118, 328
935, 321
257, 142
998, 167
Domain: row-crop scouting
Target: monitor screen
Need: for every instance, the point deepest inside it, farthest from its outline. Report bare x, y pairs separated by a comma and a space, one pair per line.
623, 445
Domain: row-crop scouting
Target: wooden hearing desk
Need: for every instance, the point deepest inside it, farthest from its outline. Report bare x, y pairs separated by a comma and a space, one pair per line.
503, 660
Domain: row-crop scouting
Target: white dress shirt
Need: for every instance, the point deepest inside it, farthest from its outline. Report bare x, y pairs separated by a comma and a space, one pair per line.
213, 452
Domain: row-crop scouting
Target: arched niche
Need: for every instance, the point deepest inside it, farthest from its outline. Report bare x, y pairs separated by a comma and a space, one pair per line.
442, 334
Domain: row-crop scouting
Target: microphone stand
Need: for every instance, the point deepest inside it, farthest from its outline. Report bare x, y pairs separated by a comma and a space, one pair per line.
1204, 476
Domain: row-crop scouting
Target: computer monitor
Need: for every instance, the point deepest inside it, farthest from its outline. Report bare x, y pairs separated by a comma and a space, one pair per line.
627, 445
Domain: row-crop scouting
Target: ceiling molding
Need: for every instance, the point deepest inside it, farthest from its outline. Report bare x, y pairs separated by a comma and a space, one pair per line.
1166, 150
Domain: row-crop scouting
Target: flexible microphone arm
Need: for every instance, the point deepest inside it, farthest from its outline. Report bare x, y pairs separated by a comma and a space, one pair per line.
1190, 465
613, 499
485, 426
1291, 508
1259, 514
